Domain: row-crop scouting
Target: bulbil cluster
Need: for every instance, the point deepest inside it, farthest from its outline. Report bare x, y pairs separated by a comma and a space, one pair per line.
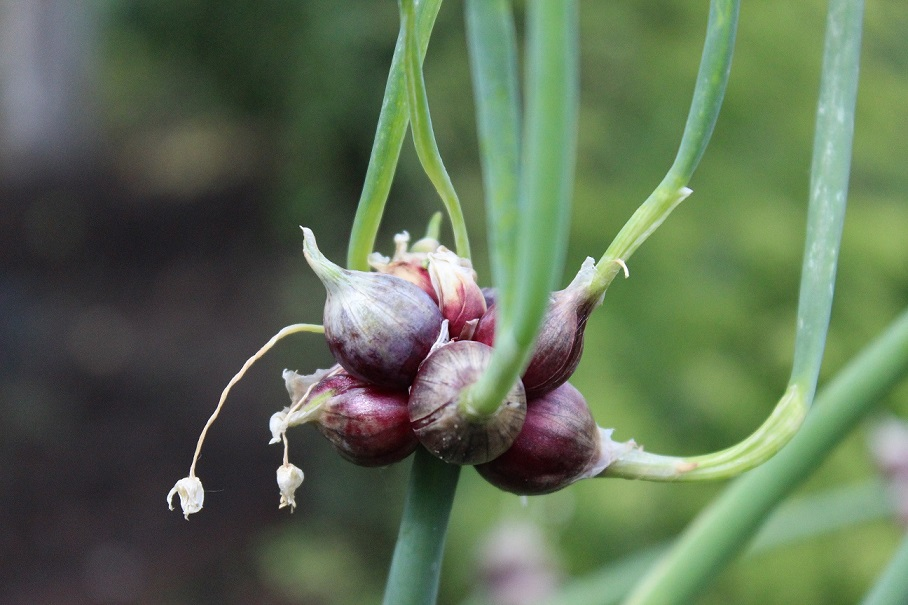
410, 337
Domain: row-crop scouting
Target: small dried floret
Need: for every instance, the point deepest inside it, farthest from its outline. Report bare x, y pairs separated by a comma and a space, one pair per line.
289, 477
191, 494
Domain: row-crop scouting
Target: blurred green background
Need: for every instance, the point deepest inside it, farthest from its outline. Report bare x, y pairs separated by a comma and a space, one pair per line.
157, 160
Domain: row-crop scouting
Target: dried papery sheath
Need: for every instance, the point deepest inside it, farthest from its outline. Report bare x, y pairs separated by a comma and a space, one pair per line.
366, 424
459, 296
559, 345
378, 327
439, 421
558, 445
299, 386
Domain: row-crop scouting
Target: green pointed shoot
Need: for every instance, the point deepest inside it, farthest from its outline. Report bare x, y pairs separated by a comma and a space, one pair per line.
825, 218
389, 138
421, 126
493, 60
545, 189
712, 79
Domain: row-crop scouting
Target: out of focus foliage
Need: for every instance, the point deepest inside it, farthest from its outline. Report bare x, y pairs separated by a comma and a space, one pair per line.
238, 121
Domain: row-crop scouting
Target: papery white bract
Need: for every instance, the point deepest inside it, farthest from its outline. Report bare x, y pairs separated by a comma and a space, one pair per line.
289, 477
191, 494
459, 296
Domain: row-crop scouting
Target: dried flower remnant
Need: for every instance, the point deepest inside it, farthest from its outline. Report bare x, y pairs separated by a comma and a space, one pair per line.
191, 493
189, 488
289, 478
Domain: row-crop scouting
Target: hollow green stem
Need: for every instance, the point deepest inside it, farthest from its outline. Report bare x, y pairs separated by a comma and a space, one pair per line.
416, 564
829, 172
892, 586
712, 78
723, 529
759, 447
545, 187
493, 61
389, 138
825, 218
421, 126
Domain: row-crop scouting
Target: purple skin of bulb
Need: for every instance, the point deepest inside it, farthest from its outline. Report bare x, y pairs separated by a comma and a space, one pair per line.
558, 444
377, 326
438, 421
366, 424
559, 345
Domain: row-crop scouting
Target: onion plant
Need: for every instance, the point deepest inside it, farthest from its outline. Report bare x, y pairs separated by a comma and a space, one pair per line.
476, 393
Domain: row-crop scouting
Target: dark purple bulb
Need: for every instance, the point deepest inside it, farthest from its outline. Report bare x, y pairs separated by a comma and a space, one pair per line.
378, 327
368, 425
558, 444
559, 345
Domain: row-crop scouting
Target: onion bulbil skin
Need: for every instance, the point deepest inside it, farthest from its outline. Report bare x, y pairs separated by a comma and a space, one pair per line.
378, 327
559, 345
438, 420
368, 425
558, 445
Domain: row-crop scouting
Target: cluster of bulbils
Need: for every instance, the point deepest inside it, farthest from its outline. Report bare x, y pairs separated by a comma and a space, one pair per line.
408, 338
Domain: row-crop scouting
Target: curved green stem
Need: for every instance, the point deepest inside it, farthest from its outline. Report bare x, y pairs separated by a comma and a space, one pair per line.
389, 138
723, 529
759, 447
416, 564
545, 186
712, 78
421, 126
825, 218
493, 61
829, 172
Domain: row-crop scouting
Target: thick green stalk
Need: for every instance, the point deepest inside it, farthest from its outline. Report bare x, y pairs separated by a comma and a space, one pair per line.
712, 540
825, 218
389, 138
416, 564
712, 79
892, 587
421, 126
545, 188
493, 61
794, 522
